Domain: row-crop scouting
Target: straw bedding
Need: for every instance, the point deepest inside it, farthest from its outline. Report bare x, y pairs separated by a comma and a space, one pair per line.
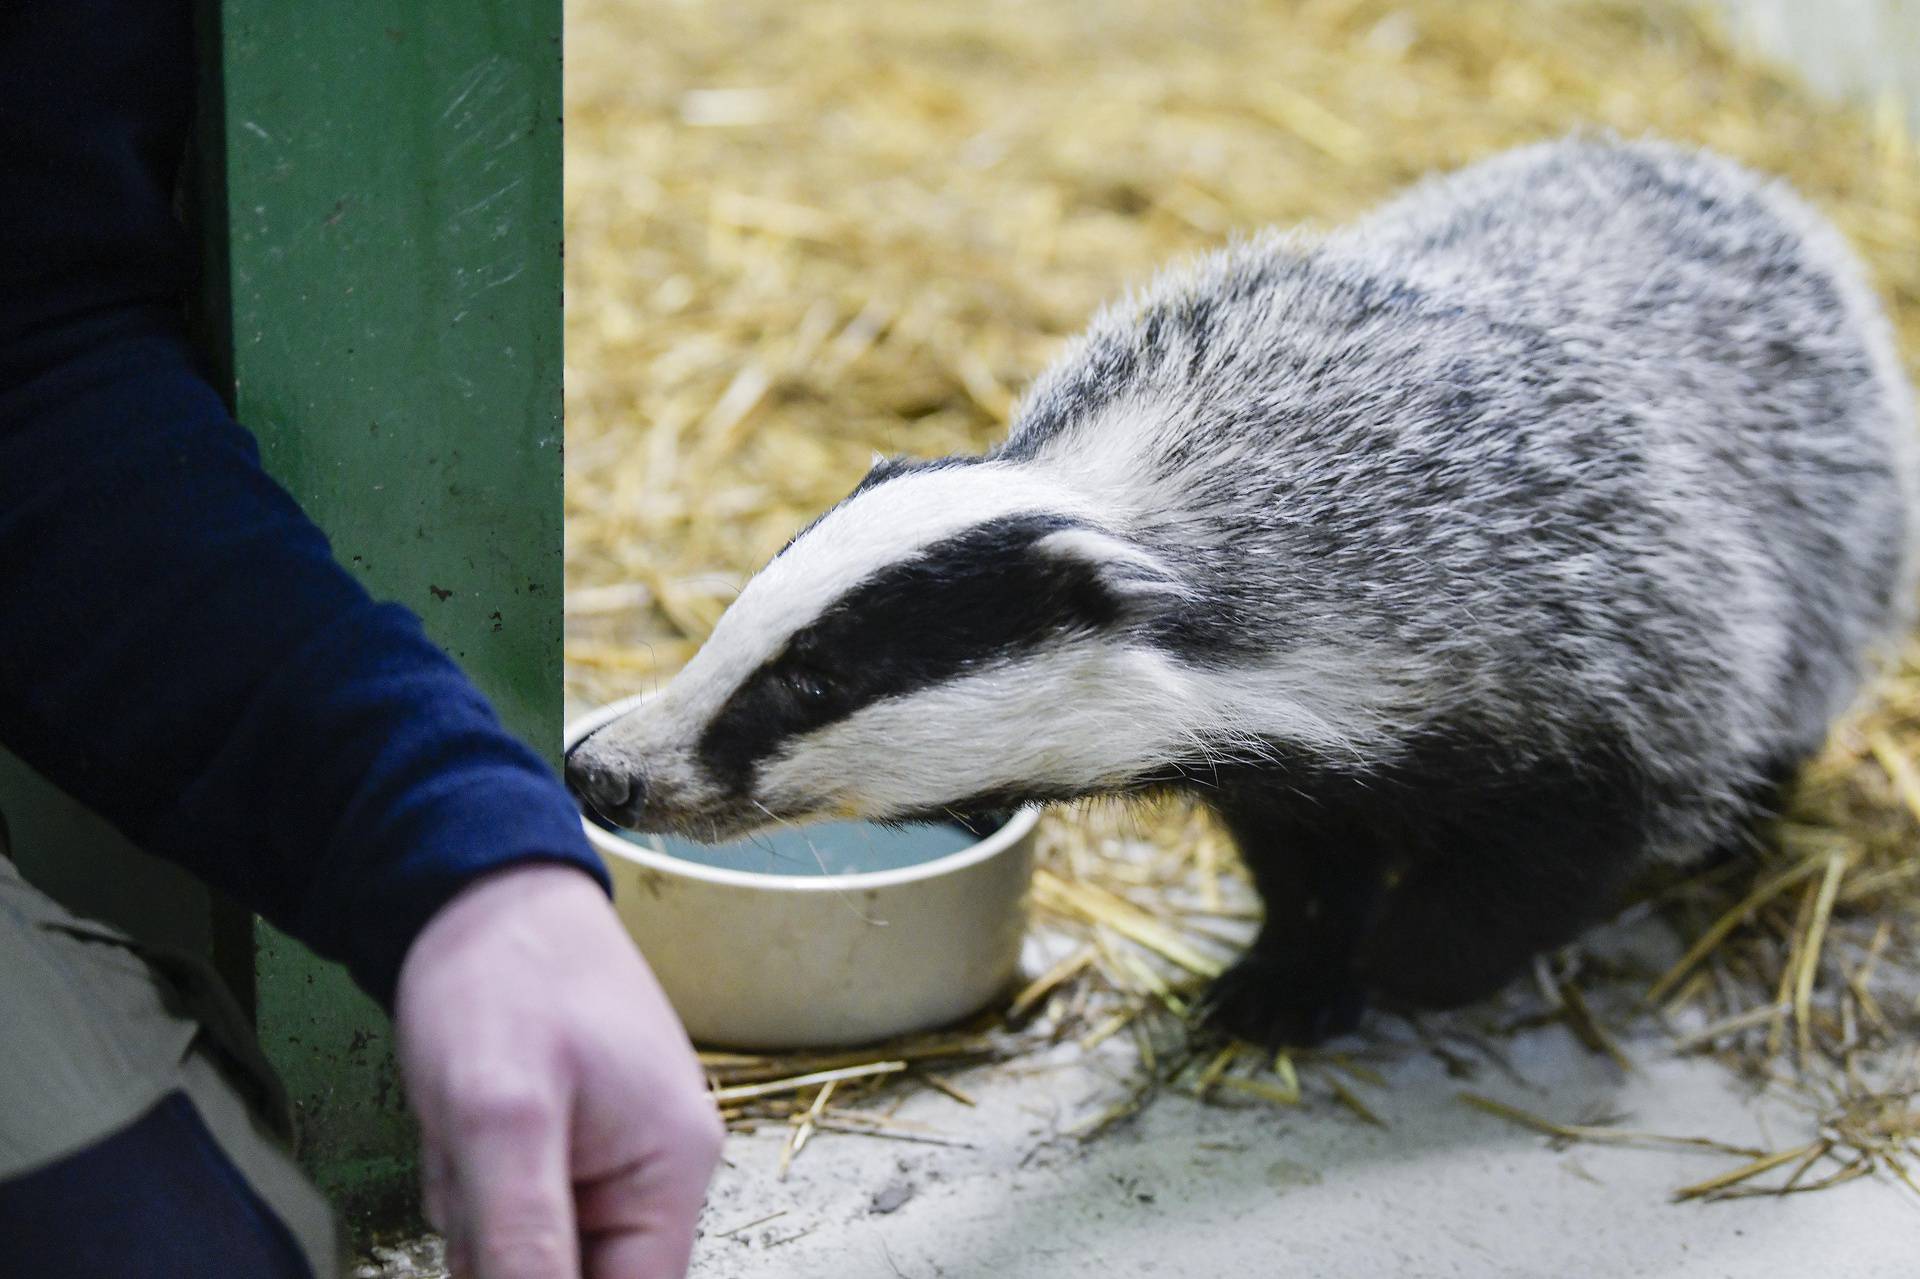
798, 234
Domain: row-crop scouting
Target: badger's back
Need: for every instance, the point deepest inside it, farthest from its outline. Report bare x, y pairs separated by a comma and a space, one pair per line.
1592, 441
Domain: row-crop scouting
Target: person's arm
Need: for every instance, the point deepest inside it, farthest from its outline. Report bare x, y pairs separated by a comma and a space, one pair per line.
179, 651
182, 654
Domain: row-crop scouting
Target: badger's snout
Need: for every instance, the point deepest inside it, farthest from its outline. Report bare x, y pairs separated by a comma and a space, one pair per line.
625, 775
606, 785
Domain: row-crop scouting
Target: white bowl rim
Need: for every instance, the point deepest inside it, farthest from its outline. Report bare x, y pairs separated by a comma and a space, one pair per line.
1015, 829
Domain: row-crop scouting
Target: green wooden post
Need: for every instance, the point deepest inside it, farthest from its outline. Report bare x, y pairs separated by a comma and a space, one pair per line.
381, 197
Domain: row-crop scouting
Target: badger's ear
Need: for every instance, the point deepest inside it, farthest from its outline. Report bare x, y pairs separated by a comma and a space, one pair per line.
1134, 578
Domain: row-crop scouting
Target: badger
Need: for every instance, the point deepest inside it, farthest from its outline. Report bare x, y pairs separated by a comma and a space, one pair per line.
1464, 561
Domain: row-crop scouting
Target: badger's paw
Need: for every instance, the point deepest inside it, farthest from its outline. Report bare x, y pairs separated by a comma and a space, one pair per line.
1268, 1001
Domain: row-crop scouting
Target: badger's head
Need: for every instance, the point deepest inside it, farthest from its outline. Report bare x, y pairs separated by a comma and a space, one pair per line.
952, 637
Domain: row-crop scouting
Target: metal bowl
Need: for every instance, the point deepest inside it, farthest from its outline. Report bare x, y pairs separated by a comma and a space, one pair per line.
760, 960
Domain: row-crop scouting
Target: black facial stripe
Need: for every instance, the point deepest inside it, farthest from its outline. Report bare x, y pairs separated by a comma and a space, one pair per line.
982, 596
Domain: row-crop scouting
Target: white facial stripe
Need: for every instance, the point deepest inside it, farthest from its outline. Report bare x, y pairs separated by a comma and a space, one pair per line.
1079, 717
1100, 482
886, 524
973, 735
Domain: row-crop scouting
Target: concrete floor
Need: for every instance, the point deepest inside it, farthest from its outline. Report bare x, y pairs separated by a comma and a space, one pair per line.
1206, 1190
1253, 1190
1188, 1189
1309, 1192
1197, 1190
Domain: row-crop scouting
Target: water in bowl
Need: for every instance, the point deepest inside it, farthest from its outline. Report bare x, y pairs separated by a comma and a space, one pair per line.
823, 848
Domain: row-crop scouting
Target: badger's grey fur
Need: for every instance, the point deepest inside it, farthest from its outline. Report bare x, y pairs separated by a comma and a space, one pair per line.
1465, 559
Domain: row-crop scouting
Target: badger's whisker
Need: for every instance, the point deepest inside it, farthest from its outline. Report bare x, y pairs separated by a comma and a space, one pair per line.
765, 845
653, 668
846, 898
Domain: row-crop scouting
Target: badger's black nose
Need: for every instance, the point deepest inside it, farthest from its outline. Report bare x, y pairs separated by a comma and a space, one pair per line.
608, 789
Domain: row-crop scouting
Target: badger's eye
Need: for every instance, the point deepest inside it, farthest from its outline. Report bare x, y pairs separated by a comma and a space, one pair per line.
806, 683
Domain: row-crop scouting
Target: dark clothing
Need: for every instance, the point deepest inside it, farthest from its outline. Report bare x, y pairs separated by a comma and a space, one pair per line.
142, 1130
157, 1200
178, 648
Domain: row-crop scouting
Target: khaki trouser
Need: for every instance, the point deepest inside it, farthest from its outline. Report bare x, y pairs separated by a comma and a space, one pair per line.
96, 1028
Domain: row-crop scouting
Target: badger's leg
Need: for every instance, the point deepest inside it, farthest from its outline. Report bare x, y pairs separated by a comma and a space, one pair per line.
1456, 928
1297, 984
1428, 883
1503, 871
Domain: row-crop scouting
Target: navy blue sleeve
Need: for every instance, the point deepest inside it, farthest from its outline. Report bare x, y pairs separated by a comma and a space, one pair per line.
178, 648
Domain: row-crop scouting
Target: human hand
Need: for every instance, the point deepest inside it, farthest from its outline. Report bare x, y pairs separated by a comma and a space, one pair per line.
565, 1125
